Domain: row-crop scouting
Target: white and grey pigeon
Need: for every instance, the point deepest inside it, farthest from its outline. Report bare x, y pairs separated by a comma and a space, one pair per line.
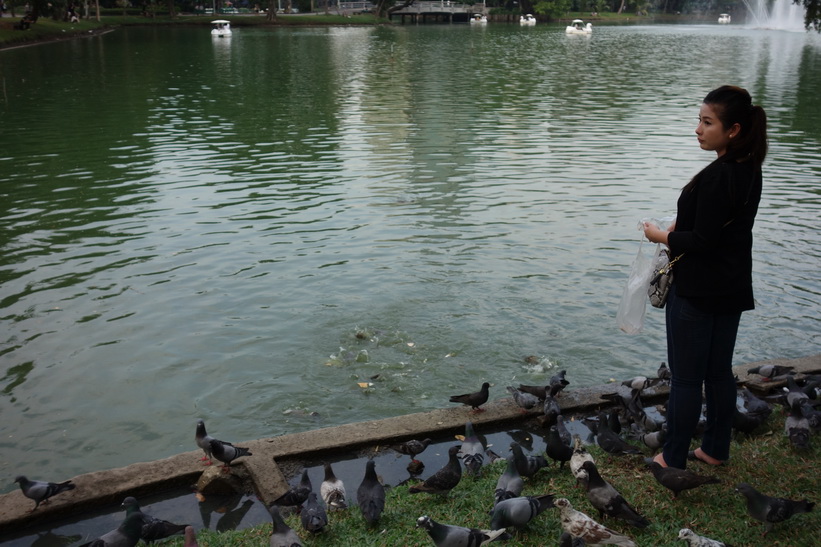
770, 371
518, 512
637, 382
203, 440
127, 534
797, 429
448, 535
227, 453
580, 455
473, 451
41, 491
332, 490
523, 400
579, 525
313, 515
695, 540
282, 535
510, 483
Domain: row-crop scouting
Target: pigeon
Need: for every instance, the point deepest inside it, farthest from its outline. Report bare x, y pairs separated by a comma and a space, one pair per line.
677, 480
637, 382
313, 515
510, 483
579, 525
812, 415
296, 495
473, 451
41, 491
797, 429
518, 512
771, 510
753, 404
746, 422
445, 479
227, 453
770, 371
551, 411
526, 465
371, 495
203, 440
604, 497
563, 432
556, 449
566, 540
580, 455
282, 535
664, 374
127, 534
332, 490
654, 440
190, 537
610, 442
413, 447
153, 528
473, 400
523, 399
695, 540
557, 383
447, 535
540, 392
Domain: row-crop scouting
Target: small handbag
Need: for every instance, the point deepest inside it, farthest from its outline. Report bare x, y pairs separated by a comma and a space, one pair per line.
662, 279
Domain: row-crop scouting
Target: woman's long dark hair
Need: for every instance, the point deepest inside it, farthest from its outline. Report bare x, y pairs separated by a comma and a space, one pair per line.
733, 105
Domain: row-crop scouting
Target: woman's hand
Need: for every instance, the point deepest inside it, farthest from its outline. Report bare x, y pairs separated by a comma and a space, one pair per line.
654, 233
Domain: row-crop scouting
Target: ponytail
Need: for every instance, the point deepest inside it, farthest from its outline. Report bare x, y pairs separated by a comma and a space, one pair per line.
733, 105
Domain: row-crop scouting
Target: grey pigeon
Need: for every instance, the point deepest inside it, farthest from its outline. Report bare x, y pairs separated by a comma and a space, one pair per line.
753, 404
695, 540
551, 411
203, 440
41, 491
413, 447
473, 400
527, 465
153, 528
771, 510
518, 512
510, 483
227, 453
637, 382
296, 495
282, 535
654, 440
770, 371
445, 479
610, 442
664, 373
332, 490
523, 400
557, 383
579, 525
540, 392
812, 415
313, 515
580, 455
127, 534
370, 496
447, 535
677, 480
556, 449
794, 396
565, 435
604, 497
472, 450
746, 422
797, 429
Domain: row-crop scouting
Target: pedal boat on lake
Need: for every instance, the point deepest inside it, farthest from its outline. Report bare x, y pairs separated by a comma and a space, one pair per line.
527, 19
724, 19
577, 26
478, 19
222, 28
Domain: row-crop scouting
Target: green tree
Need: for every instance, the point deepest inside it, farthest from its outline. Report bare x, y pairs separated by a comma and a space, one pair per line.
812, 17
552, 9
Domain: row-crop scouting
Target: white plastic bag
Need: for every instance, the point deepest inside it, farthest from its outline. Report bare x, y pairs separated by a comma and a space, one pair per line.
633, 305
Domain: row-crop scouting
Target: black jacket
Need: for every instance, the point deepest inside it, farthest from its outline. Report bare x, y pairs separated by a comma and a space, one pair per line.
714, 233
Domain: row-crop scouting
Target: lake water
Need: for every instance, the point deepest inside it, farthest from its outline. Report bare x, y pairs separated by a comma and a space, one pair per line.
246, 229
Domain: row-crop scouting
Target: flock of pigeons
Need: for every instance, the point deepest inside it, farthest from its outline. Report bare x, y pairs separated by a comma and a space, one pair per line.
618, 433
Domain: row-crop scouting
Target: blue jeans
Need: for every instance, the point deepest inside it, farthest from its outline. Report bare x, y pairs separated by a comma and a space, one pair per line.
700, 349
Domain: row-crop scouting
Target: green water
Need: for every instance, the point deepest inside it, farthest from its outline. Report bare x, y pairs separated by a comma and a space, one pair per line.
245, 229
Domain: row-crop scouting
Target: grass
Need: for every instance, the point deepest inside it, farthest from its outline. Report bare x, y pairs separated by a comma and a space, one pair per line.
767, 461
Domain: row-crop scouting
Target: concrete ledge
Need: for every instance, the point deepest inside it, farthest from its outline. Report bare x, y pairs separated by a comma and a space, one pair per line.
102, 488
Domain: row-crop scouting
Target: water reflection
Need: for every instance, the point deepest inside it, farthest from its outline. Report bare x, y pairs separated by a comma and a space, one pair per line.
239, 211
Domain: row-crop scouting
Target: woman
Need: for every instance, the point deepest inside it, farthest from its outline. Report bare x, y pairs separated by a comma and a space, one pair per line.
713, 278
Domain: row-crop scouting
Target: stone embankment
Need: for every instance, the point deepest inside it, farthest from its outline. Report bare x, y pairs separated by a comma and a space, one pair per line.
104, 488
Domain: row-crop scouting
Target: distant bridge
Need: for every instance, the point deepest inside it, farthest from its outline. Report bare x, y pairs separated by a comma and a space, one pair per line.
440, 10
